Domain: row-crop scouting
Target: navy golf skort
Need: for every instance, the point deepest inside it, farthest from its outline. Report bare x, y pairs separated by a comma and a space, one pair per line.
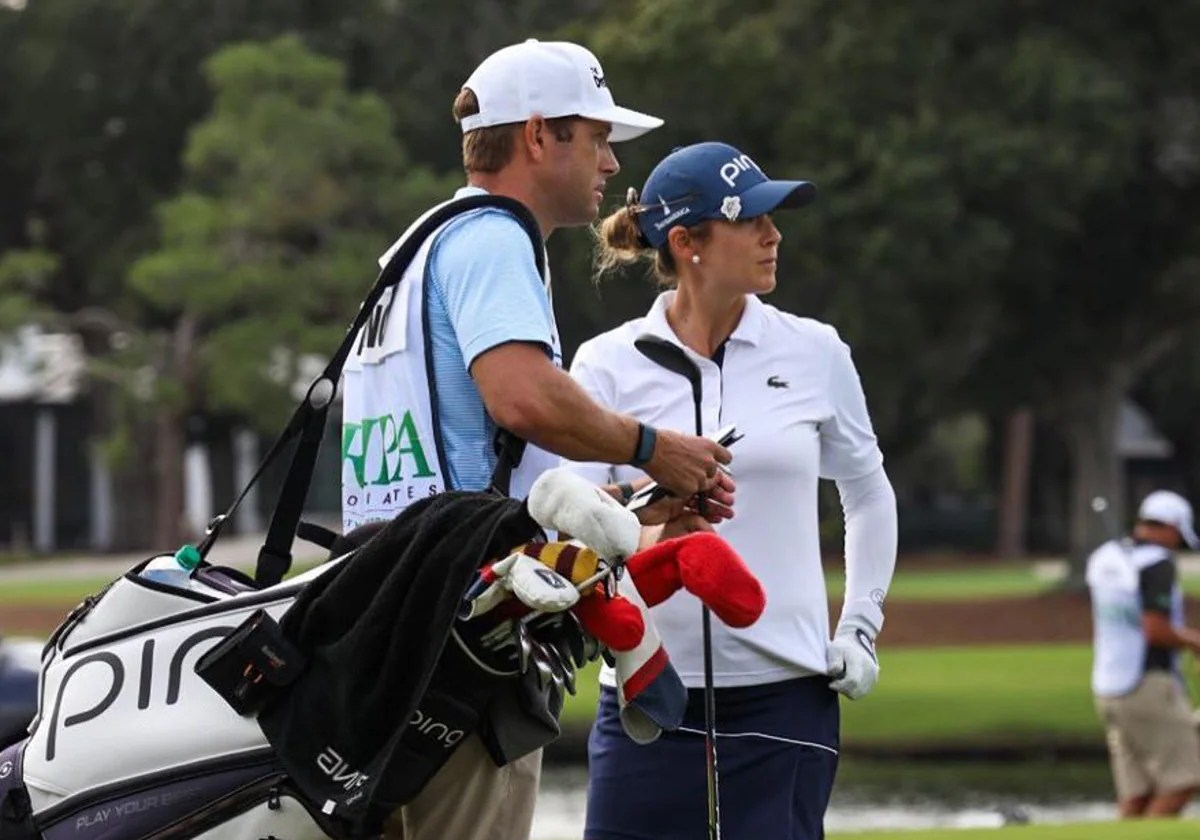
776, 761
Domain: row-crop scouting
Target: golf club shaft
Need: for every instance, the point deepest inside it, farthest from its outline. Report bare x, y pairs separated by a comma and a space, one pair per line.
710, 698
675, 359
710, 730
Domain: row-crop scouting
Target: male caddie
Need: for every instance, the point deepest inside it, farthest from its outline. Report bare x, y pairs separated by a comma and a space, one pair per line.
467, 345
1137, 610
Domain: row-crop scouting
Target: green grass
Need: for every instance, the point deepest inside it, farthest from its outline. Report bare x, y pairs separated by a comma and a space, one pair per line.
1141, 830
1017, 694
580, 710
62, 591
991, 694
70, 590
1002, 693
953, 694
1021, 695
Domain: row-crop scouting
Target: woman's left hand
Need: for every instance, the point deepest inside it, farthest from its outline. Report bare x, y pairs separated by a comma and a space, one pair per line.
718, 505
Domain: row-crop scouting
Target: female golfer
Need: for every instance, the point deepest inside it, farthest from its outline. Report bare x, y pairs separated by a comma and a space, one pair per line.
789, 385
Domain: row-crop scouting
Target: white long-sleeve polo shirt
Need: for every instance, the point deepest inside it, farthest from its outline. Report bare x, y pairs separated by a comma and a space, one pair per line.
790, 386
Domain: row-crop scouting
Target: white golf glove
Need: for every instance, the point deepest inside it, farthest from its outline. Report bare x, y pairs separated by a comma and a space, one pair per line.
851, 659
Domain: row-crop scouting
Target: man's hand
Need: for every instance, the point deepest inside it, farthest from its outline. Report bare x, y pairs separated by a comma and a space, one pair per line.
851, 659
718, 505
686, 464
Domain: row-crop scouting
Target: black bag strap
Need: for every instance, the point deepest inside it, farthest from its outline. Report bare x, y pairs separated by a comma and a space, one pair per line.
308, 421
16, 809
509, 450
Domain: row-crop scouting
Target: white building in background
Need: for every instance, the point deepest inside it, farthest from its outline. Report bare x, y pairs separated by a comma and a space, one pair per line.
45, 371
45, 434
57, 490
1137, 436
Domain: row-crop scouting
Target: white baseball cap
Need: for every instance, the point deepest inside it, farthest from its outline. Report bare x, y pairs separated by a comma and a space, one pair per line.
1170, 509
553, 79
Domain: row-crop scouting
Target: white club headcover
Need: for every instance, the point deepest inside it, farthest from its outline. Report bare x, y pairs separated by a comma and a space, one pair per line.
535, 585
539, 587
562, 501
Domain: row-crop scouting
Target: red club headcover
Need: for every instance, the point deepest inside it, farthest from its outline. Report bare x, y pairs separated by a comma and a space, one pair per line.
705, 565
615, 622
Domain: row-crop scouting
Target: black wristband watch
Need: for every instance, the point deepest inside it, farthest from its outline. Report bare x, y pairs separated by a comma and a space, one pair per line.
647, 437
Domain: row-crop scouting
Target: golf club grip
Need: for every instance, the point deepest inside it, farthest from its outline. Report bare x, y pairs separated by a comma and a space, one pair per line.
710, 730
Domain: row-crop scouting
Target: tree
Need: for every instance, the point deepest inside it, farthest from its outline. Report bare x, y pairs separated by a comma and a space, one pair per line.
98, 98
1170, 393
23, 273
1104, 281
825, 91
1008, 194
1007, 189
292, 186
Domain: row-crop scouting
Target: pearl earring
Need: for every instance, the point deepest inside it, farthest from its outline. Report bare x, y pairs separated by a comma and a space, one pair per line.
696, 258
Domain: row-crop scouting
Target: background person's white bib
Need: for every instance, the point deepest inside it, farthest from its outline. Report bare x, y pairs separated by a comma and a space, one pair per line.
1114, 581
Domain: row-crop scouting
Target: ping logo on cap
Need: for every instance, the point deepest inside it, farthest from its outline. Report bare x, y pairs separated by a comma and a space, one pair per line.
735, 167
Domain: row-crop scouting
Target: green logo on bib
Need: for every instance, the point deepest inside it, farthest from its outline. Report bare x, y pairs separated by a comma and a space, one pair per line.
378, 448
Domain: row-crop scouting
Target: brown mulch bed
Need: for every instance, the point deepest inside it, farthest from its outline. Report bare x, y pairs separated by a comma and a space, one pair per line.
1044, 617
32, 619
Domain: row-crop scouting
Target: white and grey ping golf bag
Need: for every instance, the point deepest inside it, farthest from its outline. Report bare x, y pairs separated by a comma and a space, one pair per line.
129, 743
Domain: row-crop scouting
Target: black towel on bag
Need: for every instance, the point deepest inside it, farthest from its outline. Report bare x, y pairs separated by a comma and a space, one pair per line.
374, 629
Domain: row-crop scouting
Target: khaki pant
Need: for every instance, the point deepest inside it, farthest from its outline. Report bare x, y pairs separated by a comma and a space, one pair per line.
1153, 744
471, 798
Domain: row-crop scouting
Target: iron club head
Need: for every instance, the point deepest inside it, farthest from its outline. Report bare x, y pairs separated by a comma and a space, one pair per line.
524, 646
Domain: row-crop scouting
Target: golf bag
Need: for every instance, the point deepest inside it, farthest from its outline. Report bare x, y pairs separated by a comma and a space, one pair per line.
20, 663
129, 742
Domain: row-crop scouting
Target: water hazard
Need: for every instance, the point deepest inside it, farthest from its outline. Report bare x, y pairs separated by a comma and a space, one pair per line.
877, 795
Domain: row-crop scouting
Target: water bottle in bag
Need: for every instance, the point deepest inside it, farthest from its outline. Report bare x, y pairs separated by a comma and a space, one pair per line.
174, 569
